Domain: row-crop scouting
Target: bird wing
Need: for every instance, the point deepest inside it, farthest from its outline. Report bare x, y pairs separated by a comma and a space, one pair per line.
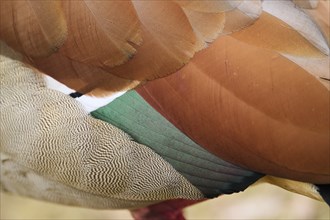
258, 96
109, 46
52, 149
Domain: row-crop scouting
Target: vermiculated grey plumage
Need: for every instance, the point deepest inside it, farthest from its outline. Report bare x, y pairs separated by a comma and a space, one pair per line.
50, 138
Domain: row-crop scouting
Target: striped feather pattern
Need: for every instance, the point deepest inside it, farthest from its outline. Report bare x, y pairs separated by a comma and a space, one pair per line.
257, 98
54, 139
212, 175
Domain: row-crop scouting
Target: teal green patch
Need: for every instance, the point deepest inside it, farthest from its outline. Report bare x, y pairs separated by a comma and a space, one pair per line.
212, 175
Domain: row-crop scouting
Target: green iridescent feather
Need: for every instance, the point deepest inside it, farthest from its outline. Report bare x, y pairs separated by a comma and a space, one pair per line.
212, 175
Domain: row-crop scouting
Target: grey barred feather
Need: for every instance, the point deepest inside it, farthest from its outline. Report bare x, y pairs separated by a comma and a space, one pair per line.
21, 180
52, 149
51, 138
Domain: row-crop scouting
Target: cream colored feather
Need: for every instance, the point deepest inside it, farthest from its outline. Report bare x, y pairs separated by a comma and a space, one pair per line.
52, 149
64, 155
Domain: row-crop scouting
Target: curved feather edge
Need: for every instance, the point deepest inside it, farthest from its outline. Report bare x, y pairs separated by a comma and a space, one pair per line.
307, 4
299, 20
27, 103
255, 103
35, 28
210, 174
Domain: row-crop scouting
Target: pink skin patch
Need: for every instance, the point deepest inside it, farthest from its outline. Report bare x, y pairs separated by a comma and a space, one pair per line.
167, 210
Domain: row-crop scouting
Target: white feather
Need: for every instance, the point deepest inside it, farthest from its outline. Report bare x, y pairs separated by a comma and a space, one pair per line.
90, 103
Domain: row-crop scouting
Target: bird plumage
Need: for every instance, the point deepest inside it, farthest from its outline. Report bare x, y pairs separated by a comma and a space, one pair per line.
250, 111
84, 155
246, 80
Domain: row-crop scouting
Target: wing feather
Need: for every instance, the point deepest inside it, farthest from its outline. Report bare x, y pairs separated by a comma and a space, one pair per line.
99, 33
36, 28
250, 110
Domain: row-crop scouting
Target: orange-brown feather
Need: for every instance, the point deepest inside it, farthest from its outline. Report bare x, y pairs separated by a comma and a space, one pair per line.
35, 28
242, 98
132, 40
83, 77
265, 112
271, 33
94, 36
